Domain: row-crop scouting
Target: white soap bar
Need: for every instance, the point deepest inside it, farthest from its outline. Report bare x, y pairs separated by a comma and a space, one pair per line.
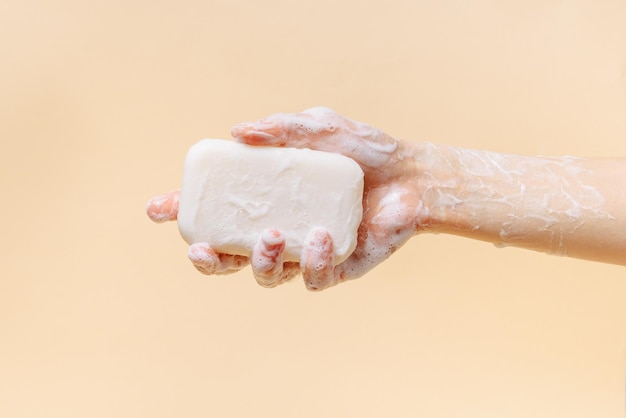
232, 192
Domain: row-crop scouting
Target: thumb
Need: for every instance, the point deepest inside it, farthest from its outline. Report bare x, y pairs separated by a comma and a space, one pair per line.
309, 129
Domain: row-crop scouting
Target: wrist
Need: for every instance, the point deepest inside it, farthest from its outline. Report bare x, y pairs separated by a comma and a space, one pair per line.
437, 179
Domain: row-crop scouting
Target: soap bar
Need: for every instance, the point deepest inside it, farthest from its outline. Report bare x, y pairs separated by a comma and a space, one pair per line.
232, 192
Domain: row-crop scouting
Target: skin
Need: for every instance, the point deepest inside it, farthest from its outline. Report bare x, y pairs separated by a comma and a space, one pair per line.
562, 205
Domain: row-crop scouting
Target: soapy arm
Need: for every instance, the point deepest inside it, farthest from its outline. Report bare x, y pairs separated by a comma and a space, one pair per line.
565, 205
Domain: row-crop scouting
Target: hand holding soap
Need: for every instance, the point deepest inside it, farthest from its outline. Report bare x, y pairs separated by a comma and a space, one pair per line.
262, 199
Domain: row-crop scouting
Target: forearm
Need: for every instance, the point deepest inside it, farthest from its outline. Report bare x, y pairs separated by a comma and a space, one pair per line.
565, 206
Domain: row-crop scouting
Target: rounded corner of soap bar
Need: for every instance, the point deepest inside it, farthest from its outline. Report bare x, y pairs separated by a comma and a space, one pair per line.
202, 146
231, 192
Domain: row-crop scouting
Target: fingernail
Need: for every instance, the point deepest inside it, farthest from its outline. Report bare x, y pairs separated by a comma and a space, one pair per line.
272, 238
258, 138
198, 254
240, 129
153, 209
321, 239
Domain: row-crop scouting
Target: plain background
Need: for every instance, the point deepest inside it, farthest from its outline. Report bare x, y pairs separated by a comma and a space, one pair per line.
102, 315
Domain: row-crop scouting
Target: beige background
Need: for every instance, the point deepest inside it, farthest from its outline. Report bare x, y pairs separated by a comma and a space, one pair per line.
101, 314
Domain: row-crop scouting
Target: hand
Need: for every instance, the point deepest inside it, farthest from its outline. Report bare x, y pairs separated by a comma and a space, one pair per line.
392, 209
